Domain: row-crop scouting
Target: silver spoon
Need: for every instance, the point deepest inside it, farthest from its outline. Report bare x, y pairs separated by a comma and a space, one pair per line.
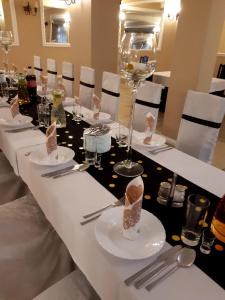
185, 259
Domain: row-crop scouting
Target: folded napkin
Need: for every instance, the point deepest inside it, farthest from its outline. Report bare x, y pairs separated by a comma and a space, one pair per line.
149, 127
14, 108
132, 209
51, 143
96, 106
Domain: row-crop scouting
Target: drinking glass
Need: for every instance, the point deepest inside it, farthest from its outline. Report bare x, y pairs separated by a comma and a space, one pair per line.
90, 147
196, 212
77, 116
41, 114
208, 239
134, 70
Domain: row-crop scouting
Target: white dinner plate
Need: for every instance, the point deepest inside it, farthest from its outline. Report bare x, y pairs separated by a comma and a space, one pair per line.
109, 234
40, 156
18, 122
156, 141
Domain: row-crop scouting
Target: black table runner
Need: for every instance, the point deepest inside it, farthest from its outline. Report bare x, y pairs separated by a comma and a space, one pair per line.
71, 136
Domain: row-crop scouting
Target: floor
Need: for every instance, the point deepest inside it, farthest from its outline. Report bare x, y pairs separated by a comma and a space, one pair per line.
124, 115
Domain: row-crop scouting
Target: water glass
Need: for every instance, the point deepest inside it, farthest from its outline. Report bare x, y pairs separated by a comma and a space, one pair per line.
122, 135
77, 115
164, 193
41, 112
196, 212
208, 239
90, 148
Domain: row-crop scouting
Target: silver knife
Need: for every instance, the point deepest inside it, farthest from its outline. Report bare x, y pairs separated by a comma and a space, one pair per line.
54, 173
161, 150
76, 168
161, 258
168, 261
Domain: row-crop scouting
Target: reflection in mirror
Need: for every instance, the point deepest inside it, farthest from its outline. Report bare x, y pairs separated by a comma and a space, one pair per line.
55, 23
142, 16
8, 19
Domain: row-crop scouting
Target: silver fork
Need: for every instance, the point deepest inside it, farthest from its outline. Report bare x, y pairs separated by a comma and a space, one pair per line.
117, 203
162, 149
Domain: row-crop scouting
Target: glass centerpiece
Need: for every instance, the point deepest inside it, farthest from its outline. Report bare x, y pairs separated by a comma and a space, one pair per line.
137, 58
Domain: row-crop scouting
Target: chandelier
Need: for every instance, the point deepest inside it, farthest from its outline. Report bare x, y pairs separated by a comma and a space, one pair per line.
70, 2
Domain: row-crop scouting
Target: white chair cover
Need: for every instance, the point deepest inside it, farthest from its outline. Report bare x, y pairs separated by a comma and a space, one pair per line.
32, 255
147, 100
68, 78
199, 128
87, 86
52, 73
37, 68
11, 186
110, 94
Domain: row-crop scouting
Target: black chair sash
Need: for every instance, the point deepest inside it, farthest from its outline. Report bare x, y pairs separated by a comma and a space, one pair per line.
149, 104
52, 72
38, 69
110, 93
68, 78
201, 121
89, 85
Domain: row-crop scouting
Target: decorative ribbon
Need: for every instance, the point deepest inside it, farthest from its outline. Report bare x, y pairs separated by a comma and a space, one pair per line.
68, 78
52, 72
87, 84
38, 69
149, 104
111, 93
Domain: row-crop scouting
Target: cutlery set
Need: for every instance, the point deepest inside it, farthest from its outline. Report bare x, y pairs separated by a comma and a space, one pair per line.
160, 149
66, 171
150, 275
22, 129
97, 213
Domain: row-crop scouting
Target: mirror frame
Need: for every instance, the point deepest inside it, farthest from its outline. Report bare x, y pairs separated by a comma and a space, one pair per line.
44, 43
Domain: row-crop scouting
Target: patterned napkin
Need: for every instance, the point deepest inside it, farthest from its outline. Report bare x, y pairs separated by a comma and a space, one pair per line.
96, 106
51, 143
132, 209
149, 127
14, 108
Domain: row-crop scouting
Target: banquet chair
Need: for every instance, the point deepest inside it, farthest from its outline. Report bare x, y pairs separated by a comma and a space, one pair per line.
32, 255
11, 186
37, 68
68, 78
200, 123
147, 100
87, 86
110, 94
52, 73
72, 286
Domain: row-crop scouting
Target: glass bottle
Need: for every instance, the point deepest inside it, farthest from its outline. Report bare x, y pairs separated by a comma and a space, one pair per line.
23, 96
218, 222
58, 114
31, 84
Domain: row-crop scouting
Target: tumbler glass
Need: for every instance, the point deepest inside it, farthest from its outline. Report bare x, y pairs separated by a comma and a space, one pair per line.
196, 212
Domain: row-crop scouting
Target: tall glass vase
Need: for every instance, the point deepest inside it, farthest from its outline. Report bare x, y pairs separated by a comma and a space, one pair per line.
137, 62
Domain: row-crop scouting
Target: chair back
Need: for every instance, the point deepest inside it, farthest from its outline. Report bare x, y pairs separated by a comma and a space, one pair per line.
200, 123
147, 100
37, 68
68, 78
87, 86
221, 72
110, 94
52, 72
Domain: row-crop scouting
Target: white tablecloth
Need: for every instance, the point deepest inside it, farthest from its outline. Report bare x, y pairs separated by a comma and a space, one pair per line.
163, 78
65, 200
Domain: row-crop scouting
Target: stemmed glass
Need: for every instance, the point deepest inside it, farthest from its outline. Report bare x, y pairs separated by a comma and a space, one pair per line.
135, 68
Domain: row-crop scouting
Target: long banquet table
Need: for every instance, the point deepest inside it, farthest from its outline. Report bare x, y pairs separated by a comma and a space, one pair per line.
65, 200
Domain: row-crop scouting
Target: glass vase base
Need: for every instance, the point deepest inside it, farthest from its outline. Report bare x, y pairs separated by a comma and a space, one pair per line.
131, 169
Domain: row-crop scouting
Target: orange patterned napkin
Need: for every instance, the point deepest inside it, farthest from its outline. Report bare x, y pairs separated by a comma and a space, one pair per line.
14, 108
96, 106
51, 142
132, 209
149, 127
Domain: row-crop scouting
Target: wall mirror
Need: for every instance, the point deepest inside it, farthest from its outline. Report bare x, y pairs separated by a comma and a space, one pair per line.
145, 16
8, 19
55, 23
